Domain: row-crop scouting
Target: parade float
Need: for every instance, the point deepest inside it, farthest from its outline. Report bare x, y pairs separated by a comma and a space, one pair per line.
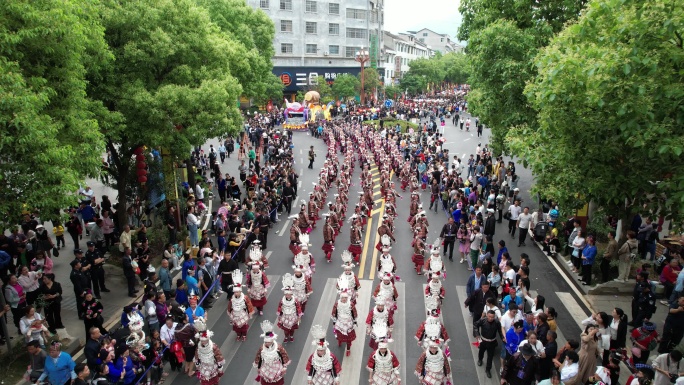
297, 115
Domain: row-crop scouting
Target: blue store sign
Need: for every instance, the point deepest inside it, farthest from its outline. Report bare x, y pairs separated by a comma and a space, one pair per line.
298, 78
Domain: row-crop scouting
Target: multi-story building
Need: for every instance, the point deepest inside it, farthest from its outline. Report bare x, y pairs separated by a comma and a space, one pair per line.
399, 51
438, 42
321, 38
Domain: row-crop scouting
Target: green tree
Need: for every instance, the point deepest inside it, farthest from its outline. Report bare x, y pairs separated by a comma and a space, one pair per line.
610, 96
503, 39
345, 86
371, 80
413, 84
393, 92
502, 54
170, 85
456, 67
431, 69
251, 33
49, 138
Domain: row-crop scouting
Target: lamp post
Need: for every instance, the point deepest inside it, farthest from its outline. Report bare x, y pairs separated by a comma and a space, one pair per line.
362, 57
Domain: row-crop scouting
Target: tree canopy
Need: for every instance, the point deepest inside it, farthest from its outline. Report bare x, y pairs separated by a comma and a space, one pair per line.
49, 138
171, 84
452, 67
610, 96
346, 86
503, 39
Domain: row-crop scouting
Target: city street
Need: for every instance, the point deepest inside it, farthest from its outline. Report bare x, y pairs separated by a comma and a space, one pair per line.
239, 355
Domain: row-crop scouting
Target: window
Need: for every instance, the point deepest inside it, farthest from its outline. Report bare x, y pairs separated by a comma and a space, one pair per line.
334, 8
422, 40
311, 27
311, 48
286, 5
334, 49
356, 33
359, 14
333, 29
263, 4
425, 33
350, 51
285, 25
286, 48
311, 6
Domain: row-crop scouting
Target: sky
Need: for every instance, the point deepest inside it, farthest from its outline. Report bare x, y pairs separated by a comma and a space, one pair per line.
411, 15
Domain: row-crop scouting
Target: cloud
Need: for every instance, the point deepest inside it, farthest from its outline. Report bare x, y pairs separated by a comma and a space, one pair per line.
441, 16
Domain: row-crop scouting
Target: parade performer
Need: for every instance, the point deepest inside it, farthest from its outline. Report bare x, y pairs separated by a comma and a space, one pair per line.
344, 317
435, 264
271, 359
433, 366
386, 262
383, 364
257, 285
322, 367
418, 258
353, 284
295, 232
289, 310
378, 314
305, 260
435, 288
302, 287
208, 358
388, 291
240, 308
329, 235
385, 234
432, 328
355, 239
303, 219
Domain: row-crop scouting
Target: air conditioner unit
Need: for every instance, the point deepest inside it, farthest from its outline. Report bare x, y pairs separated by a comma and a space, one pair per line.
326, 53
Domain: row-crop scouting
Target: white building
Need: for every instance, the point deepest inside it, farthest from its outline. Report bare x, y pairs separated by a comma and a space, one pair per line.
320, 38
438, 42
399, 51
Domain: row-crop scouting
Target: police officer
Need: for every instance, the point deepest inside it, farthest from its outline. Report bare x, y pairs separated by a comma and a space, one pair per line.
97, 275
80, 281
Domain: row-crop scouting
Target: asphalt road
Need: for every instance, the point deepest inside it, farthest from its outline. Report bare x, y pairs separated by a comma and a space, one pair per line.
546, 280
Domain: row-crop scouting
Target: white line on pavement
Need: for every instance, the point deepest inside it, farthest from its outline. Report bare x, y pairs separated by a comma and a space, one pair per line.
322, 317
468, 321
285, 226
352, 365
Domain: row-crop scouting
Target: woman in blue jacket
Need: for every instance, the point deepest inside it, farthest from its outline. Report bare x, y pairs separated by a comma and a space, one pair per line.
121, 369
588, 258
59, 367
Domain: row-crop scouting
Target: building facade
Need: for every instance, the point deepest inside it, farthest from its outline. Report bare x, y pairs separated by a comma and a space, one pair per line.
399, 51
438, 42
321, 37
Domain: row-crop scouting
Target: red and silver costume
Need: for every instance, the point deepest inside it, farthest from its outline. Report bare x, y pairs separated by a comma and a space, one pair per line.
289, 310
271, 360
344, 317
322, 367
240, 308
209, 361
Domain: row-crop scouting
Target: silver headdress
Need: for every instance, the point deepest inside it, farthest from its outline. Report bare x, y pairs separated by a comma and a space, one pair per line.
237, 279
288, 283
267, 329
319, 333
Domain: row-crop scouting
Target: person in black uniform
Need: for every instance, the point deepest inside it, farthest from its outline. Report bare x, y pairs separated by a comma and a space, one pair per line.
448, 233
97, 275
485, 330
80, 282
289, 195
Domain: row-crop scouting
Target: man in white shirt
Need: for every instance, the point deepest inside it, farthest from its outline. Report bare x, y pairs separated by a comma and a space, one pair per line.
514, 211
524, 221
199, 192
570, 367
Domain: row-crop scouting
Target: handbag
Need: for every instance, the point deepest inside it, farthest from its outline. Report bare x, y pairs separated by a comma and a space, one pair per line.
575, 253
55, 252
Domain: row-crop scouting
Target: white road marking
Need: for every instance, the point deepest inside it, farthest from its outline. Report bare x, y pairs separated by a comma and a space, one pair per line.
322, 317
573, 307
571, 284
356, 362
285, 226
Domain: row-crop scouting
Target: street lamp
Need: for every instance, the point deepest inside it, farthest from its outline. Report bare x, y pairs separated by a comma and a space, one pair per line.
362, 57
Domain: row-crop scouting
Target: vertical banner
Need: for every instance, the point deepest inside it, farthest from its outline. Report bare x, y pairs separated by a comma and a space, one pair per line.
374, 51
